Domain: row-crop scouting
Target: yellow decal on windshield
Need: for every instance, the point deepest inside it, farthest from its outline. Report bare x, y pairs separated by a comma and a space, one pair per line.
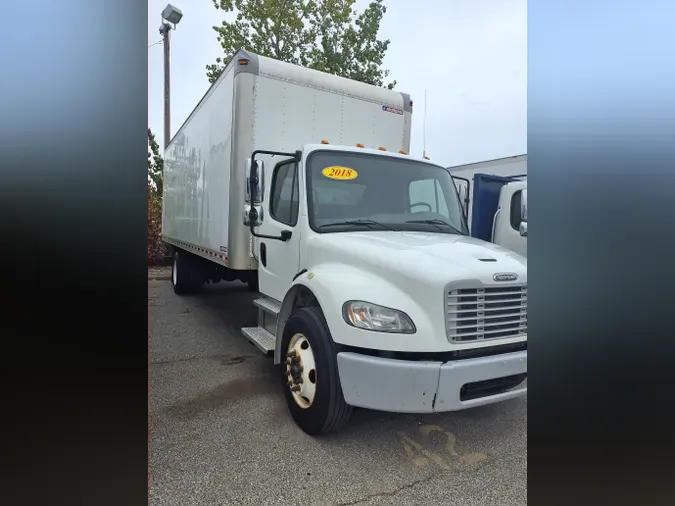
339, 173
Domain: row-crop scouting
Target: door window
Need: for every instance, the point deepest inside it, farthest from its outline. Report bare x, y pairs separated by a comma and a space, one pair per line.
285, 199
515, 209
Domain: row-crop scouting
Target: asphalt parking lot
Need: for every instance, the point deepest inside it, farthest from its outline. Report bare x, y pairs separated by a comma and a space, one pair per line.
220, 433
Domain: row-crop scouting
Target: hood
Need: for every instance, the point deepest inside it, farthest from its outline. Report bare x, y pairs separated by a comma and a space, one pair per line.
431, 258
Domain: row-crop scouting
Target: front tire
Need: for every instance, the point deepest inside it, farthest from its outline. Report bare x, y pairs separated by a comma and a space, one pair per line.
310, 374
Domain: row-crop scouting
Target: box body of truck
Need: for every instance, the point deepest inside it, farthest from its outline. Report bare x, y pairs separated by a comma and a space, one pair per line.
261, 103
492, 194
507, 167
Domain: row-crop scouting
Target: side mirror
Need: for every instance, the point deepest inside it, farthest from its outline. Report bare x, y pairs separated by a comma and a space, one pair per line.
463, 198
255, 181
523, 207
523, 228
463, 186
253, 214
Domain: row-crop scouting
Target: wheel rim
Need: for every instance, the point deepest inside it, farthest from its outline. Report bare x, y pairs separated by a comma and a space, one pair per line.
301, 371
174, 273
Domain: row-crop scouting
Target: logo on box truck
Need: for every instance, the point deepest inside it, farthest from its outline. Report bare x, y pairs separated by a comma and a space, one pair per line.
386, 108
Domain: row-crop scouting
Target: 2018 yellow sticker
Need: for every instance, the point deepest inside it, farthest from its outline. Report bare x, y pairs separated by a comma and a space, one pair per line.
342, 173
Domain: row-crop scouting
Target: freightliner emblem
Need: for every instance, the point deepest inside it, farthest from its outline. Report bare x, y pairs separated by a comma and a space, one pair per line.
505, 276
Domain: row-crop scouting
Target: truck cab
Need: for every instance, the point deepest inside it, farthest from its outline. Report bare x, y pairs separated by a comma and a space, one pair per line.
497, 209
373, 283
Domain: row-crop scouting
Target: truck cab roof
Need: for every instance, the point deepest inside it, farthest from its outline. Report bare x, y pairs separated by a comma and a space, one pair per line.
371, 151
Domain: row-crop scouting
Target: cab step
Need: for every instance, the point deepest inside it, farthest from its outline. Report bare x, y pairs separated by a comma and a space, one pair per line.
261, 338
268, 305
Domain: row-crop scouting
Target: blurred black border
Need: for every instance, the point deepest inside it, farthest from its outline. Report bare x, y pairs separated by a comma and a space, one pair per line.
601, 124
73, 229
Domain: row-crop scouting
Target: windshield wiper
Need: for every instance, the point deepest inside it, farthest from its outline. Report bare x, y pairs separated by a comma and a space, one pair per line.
365, 223
438, 224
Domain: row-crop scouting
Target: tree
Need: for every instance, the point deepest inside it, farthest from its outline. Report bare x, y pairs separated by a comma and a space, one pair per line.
156, 248
155, 164
326, 35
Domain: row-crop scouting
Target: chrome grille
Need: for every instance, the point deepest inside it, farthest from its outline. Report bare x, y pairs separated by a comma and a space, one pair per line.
486, 313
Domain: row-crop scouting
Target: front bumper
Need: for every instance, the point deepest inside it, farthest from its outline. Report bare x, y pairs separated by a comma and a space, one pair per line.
404, 386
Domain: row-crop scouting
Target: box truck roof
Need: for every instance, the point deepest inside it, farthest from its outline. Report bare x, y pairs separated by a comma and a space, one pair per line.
244, 61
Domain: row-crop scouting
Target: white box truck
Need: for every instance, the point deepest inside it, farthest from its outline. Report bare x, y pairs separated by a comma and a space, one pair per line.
372, 292
496, 209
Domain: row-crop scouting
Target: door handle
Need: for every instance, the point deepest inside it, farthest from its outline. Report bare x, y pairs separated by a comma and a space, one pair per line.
263, 254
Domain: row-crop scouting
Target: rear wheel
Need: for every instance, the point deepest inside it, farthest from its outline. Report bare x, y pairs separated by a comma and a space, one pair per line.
180, 272
310, 375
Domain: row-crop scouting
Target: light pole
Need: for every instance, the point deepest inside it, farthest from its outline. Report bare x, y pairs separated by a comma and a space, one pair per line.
171, 16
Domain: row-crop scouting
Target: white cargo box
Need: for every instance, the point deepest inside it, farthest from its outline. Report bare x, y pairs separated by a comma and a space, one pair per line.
261, 103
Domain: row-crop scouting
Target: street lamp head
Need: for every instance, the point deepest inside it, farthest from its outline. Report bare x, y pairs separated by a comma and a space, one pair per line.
172, 14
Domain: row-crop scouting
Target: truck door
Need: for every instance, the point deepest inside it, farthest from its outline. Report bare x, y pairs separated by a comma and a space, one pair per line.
278, 260
507, 221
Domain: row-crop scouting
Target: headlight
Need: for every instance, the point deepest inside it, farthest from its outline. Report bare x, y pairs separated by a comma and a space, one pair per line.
364, 315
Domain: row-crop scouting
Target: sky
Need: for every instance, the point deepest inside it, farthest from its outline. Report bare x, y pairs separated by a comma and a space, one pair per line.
469, 55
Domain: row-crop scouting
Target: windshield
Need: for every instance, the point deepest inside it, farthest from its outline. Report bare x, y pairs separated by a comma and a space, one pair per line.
354, 191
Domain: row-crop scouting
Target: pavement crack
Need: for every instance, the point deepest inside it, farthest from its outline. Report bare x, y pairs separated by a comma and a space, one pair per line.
407, 486
390, 493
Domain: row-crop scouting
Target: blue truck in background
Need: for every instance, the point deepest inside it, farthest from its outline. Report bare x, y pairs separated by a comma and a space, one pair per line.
494, 197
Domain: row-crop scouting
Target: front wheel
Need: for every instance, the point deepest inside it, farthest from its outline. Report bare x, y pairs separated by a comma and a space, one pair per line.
310, 375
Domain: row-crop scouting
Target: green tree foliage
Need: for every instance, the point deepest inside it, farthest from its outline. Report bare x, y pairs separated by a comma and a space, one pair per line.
156, 247
326, 35
155, 164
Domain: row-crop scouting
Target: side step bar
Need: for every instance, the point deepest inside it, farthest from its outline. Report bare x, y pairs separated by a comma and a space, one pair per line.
263, 336
268, 305
262, 339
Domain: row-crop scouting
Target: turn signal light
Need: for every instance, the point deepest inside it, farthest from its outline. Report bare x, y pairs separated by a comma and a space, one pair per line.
382, 148
243, 62
359, 145
402, 152
324, 142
